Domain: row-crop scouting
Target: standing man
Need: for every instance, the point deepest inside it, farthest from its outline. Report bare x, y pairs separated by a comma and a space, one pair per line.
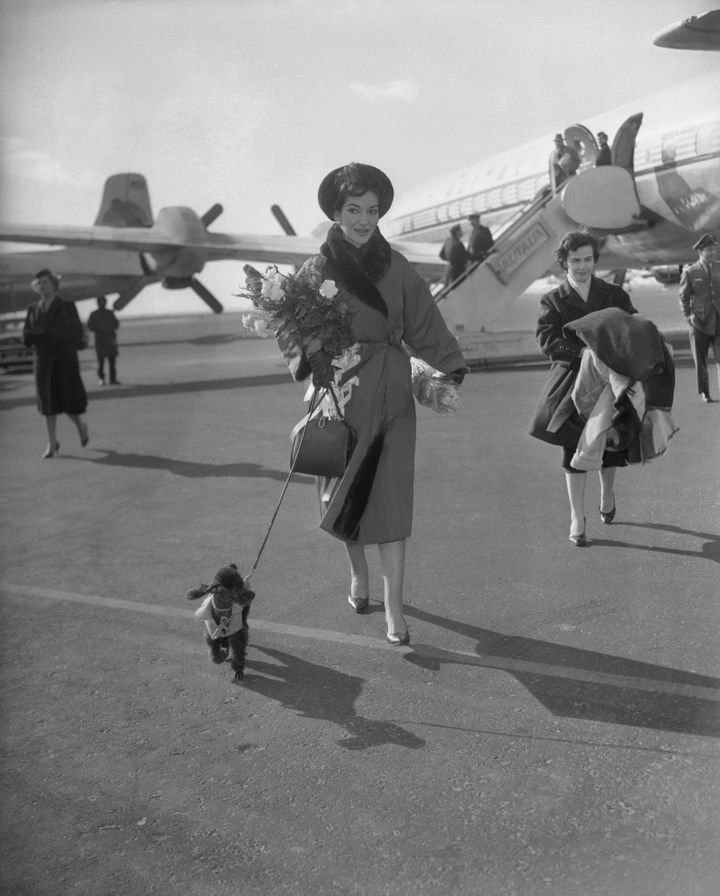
700, 303
455, 254
481, 241
104, 324
603, 156
564, 161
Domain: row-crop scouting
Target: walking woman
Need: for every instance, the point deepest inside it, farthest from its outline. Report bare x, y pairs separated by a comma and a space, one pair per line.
390, 304
581, 294
53, 329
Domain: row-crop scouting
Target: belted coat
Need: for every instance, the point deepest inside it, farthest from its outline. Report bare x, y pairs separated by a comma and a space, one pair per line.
373, 501
55, 333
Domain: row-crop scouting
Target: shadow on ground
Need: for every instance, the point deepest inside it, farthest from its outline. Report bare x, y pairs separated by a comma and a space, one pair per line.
572, 683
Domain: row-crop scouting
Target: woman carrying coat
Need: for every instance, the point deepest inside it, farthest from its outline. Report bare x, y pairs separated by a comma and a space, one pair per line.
581, 294
390, 304
53, 329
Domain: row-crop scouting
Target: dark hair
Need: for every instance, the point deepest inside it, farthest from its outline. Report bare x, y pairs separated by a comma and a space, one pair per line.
355, 180
46, 272
572, 241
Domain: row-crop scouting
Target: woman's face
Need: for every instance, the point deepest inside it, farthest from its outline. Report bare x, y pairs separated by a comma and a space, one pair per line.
44, 287
581, 263
358, 218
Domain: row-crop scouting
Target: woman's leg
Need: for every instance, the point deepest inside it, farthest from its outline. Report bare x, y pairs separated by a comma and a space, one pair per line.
607, 489
51, 425
81, 428
392, 562
575, 483
358, 570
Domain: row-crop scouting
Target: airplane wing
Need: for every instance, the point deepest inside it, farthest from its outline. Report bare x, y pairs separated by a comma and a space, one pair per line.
273, 249
696, 33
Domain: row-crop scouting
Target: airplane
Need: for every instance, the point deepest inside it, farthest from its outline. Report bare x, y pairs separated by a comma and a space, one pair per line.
662, 192
125, 250
669, 147
694, 33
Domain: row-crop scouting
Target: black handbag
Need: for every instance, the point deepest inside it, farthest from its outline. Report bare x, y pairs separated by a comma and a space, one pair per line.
321, 445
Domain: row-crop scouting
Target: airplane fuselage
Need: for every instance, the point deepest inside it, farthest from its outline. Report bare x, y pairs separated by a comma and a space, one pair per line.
676, 171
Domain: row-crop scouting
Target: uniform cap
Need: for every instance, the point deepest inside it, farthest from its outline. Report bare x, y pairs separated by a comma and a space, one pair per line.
707, 239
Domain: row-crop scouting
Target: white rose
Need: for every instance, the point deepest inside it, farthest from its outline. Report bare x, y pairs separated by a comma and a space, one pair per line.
328, 290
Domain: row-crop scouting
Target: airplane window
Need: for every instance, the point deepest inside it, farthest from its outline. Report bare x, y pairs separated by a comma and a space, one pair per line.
707, 139
494, 199
668, 153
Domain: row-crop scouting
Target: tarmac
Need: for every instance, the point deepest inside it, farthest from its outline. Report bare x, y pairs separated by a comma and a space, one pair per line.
551, 729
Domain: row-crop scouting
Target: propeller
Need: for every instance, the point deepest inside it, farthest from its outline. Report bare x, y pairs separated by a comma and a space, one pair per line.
197, 287
212, 214
282, 220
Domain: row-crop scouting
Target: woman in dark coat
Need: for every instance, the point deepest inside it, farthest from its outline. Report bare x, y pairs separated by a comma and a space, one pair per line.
555, 419
53, 329
390, 305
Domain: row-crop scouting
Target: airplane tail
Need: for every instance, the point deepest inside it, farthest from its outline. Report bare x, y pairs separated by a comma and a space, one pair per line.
125, 202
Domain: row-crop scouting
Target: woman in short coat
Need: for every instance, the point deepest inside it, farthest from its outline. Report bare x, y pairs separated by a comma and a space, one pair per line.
577, 254
390, 305
53, 329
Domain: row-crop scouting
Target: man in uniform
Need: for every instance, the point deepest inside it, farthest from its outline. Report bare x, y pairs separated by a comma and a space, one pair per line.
481, 242
700, 303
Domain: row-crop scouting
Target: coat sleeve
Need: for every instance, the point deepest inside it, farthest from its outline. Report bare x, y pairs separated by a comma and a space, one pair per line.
31, 334
425, 330
686, 292
549, 333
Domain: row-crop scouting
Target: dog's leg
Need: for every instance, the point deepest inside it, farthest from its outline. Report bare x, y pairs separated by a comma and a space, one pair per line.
238, 651
216, 652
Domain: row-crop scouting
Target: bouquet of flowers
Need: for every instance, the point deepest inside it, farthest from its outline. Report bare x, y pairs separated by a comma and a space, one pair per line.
303, 311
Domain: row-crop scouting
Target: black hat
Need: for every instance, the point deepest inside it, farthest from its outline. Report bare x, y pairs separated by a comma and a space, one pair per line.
707, 239
473, 215
559, 137
602, 134
348, 175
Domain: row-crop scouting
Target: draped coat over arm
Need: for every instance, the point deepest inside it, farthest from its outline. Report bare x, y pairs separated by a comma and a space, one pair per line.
558, 307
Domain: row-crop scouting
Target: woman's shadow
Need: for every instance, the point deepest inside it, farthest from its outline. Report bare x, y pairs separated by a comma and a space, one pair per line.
193, 469
584, 684
317, 692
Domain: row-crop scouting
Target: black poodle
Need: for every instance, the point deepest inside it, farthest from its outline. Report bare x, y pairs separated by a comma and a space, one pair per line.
226, 631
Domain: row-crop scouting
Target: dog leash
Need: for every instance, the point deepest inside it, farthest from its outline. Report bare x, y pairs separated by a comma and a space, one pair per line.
314, 402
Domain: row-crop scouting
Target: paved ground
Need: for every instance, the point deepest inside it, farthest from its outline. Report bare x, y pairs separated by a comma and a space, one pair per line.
552, 729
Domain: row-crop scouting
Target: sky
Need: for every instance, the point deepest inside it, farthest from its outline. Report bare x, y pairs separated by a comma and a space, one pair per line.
251, 102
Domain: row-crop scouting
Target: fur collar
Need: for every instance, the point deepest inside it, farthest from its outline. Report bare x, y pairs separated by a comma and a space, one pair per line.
358, 270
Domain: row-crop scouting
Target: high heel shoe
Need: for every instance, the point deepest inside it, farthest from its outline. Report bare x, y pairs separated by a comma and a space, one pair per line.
608, 517
359, 604
398, 640
84, 434
52, 450
579, 540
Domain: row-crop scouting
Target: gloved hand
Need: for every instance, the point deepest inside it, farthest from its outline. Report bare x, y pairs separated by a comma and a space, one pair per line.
457, 376
323, 373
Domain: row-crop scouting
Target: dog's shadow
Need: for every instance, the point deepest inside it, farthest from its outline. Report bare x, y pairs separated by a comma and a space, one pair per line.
317, 692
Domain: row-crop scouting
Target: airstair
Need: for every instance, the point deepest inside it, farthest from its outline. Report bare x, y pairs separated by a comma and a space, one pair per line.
602, 198
524, 251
